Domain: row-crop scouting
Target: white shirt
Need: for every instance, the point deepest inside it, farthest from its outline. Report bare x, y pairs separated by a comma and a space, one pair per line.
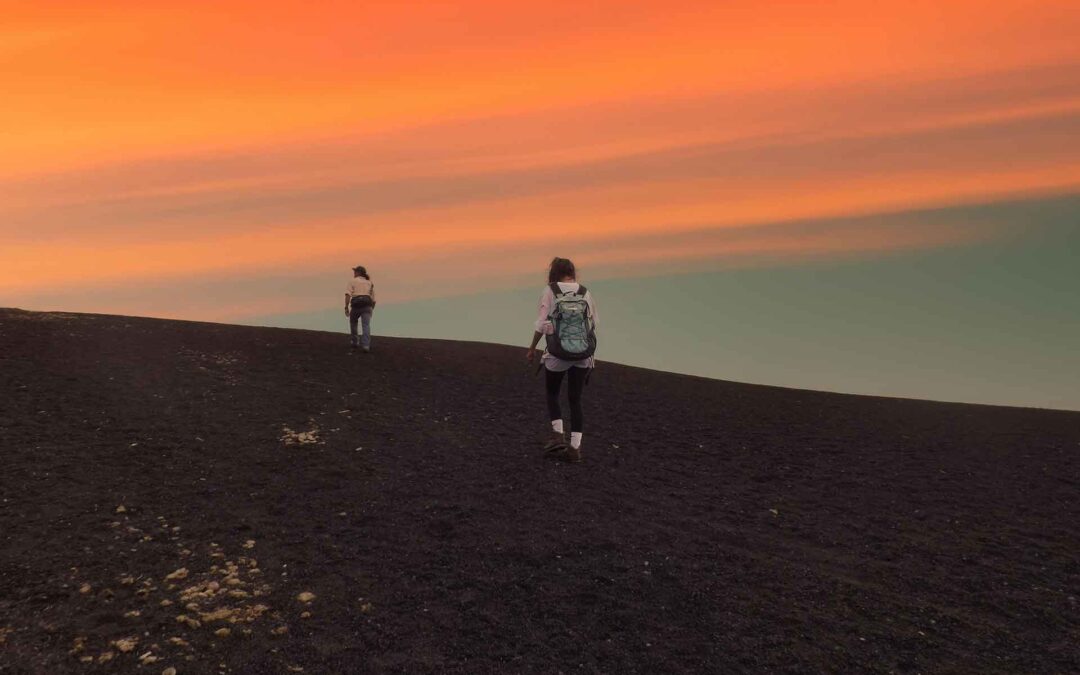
360, 286
543, 325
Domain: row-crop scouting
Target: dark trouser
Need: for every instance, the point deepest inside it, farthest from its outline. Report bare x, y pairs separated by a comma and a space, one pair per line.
553, 382
363, 314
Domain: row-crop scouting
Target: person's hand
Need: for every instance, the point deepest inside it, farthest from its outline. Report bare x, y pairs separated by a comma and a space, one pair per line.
530, 354
347, 313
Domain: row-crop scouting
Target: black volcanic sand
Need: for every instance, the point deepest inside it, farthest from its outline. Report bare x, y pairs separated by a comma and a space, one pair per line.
713, 527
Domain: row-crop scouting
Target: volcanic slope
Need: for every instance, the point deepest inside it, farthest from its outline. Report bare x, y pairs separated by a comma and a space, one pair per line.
220, 498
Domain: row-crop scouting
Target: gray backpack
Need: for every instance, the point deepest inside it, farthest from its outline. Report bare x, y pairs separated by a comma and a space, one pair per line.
574, 337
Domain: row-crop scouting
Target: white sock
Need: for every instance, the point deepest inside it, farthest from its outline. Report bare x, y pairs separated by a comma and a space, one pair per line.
556, 426
575, 439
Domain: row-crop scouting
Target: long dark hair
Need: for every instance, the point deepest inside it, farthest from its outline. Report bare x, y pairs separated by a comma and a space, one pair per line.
561, 268
361, 272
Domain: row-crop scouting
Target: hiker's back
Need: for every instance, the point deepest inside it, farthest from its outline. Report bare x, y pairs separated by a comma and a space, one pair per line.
359, 286
572, 336
568, 321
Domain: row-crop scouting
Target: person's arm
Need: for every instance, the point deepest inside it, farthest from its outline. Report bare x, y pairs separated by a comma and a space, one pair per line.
531, 354
348, 299
592, 309
595, 322
546, 299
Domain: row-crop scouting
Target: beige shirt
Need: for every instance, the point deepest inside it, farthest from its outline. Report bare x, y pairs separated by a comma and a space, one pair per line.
360, 286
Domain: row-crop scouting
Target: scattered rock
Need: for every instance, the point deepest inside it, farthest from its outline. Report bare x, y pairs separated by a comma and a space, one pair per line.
127, 581
222, 614
178, 574
147, 658
280, 630
166, 602
121, 509
77, 645
188, 621
366, 607
132, 614
290, 437
249, 614
179, 642
105, 657
223, 632
85, 588
306, 597
305, 615
169, 671
125, 645
250, 543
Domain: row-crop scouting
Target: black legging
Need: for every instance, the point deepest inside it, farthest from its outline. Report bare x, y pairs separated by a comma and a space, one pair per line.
553, 381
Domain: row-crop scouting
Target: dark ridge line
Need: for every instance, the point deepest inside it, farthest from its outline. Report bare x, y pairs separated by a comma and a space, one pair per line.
605, 364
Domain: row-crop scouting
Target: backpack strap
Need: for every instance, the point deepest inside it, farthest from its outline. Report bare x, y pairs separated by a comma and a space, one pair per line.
556, 291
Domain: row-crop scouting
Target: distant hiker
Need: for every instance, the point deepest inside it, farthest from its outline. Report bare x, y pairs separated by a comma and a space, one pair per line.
359, 303
567, 321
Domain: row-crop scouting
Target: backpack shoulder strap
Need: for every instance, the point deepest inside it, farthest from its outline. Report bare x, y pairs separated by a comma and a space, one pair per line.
582, 290
554, 286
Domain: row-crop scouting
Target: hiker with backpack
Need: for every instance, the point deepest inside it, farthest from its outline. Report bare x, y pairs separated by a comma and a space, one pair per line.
567, 321
359, 304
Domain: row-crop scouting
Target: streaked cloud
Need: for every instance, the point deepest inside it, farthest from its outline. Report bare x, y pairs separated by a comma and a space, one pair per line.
256, 286
144, 143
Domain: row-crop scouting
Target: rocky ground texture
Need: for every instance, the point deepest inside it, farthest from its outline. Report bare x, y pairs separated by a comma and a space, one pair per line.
197, 498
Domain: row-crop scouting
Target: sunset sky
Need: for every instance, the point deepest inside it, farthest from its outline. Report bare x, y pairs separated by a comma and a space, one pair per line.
230, 161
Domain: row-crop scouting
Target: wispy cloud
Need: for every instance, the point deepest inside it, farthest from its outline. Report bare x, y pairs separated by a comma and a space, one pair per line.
241, 224
254, 287
173, 141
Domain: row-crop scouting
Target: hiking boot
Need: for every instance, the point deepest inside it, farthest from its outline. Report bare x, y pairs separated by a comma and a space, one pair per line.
556, 445
573, 455
367, 350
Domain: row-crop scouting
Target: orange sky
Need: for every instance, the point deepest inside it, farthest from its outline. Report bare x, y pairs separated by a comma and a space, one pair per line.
142, 142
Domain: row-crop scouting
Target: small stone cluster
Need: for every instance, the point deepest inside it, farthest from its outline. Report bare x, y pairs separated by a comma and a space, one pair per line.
290, 437
214, 596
